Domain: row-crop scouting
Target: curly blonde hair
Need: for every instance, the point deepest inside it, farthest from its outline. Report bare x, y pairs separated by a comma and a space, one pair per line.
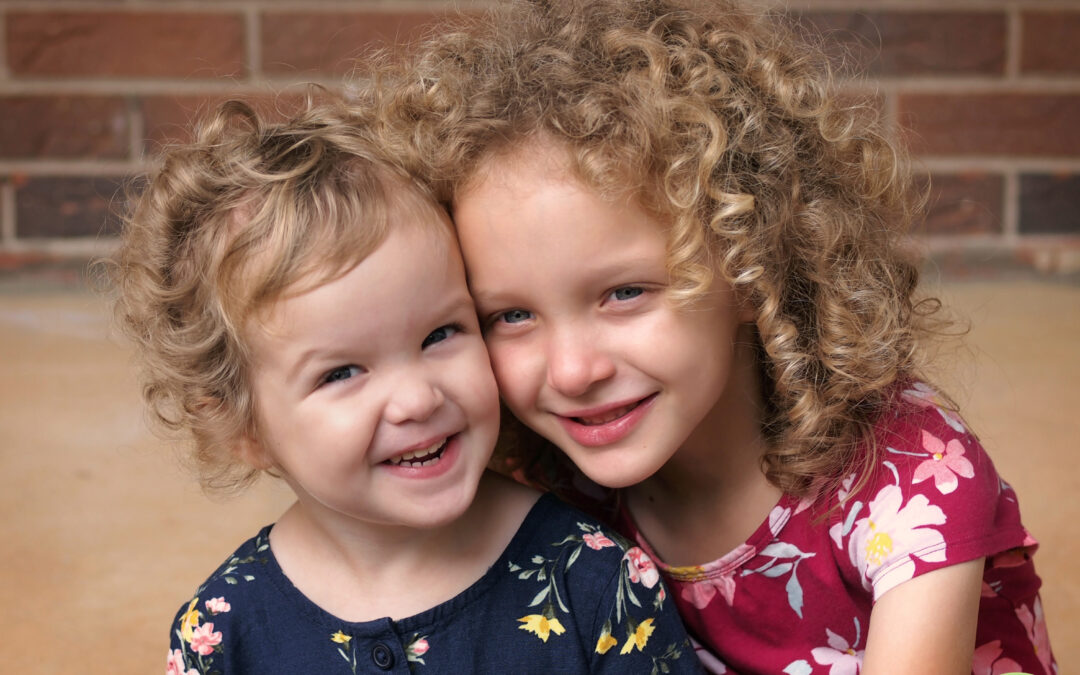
727, 124
247, 213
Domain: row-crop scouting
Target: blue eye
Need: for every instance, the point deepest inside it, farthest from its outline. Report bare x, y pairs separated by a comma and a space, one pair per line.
515, 316
627, 292
439, 334
341, 373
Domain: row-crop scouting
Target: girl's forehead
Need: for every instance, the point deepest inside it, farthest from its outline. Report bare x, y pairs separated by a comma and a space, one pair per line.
528, 156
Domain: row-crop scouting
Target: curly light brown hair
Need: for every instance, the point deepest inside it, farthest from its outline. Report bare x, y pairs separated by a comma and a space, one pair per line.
247, 213
727, 124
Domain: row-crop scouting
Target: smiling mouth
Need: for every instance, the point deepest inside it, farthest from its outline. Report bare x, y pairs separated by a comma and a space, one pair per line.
611, 415
421, 457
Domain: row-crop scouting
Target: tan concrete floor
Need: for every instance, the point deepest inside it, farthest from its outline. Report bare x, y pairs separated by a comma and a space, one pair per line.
104, 535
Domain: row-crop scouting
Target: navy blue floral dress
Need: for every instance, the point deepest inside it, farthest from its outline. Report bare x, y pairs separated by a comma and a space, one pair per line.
566, 596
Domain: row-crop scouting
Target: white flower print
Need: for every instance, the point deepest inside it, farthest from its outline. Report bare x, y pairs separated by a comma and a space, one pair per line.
841, 656
883, 544
923, 396
783, 559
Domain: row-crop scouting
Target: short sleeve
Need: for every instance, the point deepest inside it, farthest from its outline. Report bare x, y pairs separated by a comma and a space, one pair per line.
933, 500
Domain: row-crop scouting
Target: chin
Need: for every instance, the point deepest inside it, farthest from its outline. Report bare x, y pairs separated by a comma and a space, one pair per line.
614, 477
442, 512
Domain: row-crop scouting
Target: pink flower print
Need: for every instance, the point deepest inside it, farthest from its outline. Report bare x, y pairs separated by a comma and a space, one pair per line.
204, 639
702, 591
597, 541
945, 463
641, 568
175, 664
1035, 625
841, 657
217, 606
984, 661
419, 648
891, 534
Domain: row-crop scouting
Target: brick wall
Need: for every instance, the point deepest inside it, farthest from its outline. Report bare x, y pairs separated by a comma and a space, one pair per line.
989, 89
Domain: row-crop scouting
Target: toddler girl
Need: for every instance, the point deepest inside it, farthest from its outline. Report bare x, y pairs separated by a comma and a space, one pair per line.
687, 257
301, 308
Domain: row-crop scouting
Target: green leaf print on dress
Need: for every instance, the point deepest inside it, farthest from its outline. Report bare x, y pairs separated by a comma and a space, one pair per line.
635, 569
195, 628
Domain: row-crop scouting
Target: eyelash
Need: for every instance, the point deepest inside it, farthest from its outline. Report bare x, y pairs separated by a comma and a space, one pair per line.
455, 328
501, 316
331, 376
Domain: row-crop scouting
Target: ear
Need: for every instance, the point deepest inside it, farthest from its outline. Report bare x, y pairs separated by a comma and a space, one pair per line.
249, 450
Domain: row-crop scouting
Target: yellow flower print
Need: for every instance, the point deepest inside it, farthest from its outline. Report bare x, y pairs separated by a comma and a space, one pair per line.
639, 637
541, 626
341, 638
190, 620
605, 643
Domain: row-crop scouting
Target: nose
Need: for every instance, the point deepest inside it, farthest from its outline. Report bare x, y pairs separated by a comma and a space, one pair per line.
414, 397
577, 361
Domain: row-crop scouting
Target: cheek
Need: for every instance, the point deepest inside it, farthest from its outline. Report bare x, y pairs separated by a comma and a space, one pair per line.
518, 371
473, 384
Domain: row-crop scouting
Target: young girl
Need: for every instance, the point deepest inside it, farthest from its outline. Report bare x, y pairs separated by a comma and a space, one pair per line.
687, 256
301, 309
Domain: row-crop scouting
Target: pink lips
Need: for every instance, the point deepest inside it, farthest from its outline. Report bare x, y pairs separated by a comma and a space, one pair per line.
596, 435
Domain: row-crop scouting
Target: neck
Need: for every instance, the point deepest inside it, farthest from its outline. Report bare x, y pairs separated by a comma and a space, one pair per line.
346, 566
712, 494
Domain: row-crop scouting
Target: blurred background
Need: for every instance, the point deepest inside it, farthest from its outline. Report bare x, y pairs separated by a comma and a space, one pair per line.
104, 534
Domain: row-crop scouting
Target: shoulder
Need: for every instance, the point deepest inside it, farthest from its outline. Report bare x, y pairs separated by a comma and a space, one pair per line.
213, 617
932, 499
591, 563
924, 446
610, 586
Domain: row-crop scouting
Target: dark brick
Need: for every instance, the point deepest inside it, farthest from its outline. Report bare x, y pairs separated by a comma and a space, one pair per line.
1043, 125
171, 119
1049, 42
967, 203
66, 206
914, 43
125, 44
330, 42
63, 126
1050, 204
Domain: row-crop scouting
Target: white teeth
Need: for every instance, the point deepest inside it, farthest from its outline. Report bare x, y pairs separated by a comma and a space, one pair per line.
603, 419
408, 457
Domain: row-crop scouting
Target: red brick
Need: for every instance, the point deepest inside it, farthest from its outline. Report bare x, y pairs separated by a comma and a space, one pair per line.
171, 119
125, 44
1049, 42
915, 43
964, 204
1050, 204
329, 43
67, 207
1043, 125
63, 126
